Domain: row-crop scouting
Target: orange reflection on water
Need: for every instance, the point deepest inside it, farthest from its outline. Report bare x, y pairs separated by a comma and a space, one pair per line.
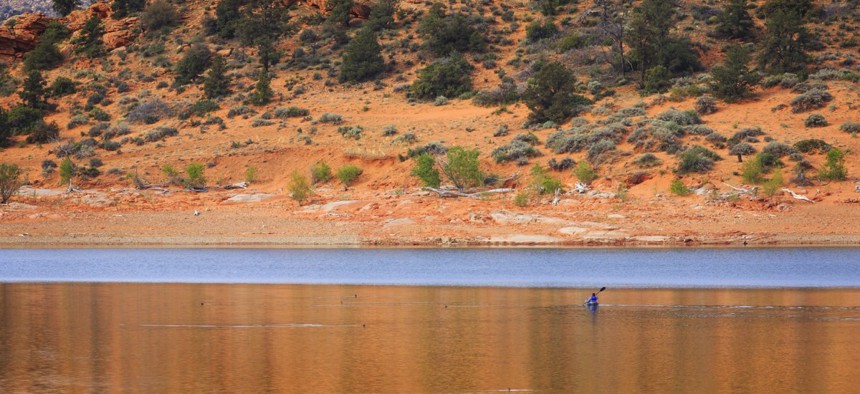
291, 338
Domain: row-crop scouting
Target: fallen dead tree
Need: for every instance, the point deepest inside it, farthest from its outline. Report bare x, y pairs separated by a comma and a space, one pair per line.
798, 196
453, 193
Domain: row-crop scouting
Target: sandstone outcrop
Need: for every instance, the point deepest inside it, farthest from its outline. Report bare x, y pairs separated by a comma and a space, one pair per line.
22, 36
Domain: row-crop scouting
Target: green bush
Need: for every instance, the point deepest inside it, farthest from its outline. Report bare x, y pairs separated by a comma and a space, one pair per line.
812, 99
299, 188
656, 80
348, 174
21, 119
449, 77
753, 171
46, 55
89, 40
450, 33
850, 127
149, 111
320, 172
250, 174
10, 181
696, 159
200, 108
521, 199
585, 173
291, 112
543, 182
834, 167
705, 105
425, 170
742, 149
194, 172
678, 188
537, 31
463, 168
77, 120
773, 185
647, 160
516, 150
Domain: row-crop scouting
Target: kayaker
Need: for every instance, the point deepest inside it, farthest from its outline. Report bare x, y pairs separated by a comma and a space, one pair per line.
593, 299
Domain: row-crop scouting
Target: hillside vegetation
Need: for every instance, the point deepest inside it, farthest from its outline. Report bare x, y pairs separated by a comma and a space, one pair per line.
733, 100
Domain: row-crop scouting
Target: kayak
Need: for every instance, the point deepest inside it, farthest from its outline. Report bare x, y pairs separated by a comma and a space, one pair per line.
591, 303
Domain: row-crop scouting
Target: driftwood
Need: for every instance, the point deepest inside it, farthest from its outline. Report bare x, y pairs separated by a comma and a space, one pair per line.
555, 197
741, 190
446, 193
798, 196
581, 188
240, 185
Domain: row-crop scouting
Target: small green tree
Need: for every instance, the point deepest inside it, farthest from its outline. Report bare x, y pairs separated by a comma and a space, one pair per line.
250, 174
584, 172
348, 174
299, 188
462, 168
193, 63
227, 15
543, 182
753, 171
362, 59
446, 34
732, 80
67, 170
46, 55
735, 21
320, 172
217, 82
263, 92
551, 94
159, 17
65, 7
425, 170
339, 11
89, 41
834, 167
10, 181
5, 129
678, 188
774, 184
195, 177
381, 14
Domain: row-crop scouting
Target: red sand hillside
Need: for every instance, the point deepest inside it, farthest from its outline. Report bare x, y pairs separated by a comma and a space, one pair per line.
387, 205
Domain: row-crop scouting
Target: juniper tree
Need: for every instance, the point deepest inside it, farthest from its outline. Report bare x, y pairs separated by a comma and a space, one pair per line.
217, 83
783, 47
362, 60
735, 21
65, 7
732, 79
551, 94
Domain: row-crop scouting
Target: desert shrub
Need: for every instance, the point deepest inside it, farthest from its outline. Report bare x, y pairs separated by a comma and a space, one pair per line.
390, 130
658, 136
195, 175
263, 92
747, 134
159, 17
217, 82
506, 93
521, 199
813, 99
149, 111
834, 167
742, 149
320, 172
48, 167
528, 138
22, 119
597, 149
567, 141
89, 39
656, 80
159, 133
260, 122
778, 149
348, 174
99, 114
80, 149
543, 182
449, 77
753, 170
696, 159
77, 120
805, 86
291, 112
705, 105
716, 139
432, 148
699, 130
551, 95
98, 129
331, 118
683, 118
516, 150
240, 110
647, 160
585, 172
200, 108
678, 188
501, 131
117, 130
425, 170
43, 132
110, 145
463, 168
406, 138
10, 181
353, 132
299, 187
850, 127
193, 63
771, 186
562, 165
815, 120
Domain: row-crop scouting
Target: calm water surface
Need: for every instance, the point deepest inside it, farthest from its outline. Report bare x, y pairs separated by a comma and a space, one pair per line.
66, 325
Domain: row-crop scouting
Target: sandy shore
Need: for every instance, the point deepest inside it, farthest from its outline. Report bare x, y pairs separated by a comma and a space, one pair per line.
129, 218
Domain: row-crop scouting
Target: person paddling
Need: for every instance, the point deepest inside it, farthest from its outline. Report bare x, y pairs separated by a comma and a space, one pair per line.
593, 299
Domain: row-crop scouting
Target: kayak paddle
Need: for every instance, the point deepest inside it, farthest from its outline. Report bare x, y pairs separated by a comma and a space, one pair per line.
598, 292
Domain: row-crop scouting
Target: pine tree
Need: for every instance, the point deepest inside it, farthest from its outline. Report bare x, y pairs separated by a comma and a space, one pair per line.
362, 60
263, 90
733, 79
89, 41
783, 47
34, 93
651, 42
217, 83
65, 7
339, 11
735, 21
550, 94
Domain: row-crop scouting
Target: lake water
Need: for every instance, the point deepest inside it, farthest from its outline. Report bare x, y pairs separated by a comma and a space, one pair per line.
484, 320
